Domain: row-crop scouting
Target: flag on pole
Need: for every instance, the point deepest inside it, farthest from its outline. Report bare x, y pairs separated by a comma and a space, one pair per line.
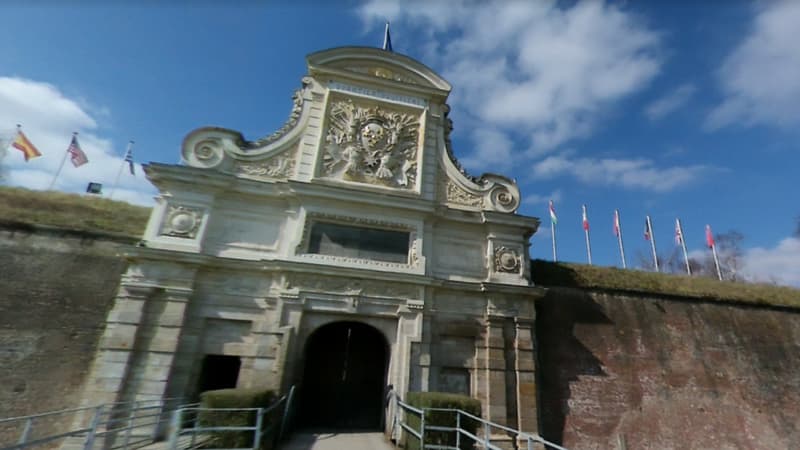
76, 155
553, 217
585, 220
678, 233
616, 222
709, 237
94, 188
25, 146
387, 39
647, 231
129, 158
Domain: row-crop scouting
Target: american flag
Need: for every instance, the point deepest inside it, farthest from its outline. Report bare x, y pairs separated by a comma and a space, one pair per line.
76, 155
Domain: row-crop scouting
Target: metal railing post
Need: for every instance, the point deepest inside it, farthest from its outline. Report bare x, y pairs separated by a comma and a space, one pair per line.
194, 428
257, 434
458, 429
530, 443
89, 443
486, 432
26, 432
176, 429
422, 430
286, 412
131, 418
157, 427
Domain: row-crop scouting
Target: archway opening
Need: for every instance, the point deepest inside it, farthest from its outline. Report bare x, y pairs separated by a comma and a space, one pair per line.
344, 377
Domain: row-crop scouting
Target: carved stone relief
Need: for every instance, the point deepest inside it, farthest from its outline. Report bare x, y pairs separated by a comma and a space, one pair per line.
182, 221
313, 282
459, 196
281, 166
507, 260
371, 145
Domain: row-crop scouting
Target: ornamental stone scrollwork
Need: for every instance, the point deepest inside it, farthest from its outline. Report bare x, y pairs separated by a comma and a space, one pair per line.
371, 145
281, 167
503, 200
506, 260
291, 122
206, 153
459, 196
182, 222
350, 286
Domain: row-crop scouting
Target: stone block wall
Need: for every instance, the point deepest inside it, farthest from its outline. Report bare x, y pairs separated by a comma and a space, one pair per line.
626, 371
56, 288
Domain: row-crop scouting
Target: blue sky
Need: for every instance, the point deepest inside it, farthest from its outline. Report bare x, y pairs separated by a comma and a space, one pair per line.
663, 108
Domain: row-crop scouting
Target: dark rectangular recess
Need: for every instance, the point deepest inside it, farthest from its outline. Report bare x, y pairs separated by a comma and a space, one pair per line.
359, 242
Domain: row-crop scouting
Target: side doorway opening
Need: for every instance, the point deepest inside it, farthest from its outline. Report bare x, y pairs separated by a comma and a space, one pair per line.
218, 372
344, 377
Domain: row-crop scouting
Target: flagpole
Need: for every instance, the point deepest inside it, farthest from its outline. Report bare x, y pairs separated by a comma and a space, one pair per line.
710, 243
653, 243
619, 238
119, 172
716, 261
61, 166
586, 231
683, 246
553, 235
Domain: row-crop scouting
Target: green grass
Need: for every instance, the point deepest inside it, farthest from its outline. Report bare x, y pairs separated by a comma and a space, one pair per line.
549, 274
70, 211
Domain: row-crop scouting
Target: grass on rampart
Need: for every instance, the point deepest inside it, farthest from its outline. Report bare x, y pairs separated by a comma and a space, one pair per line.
549, 274
71, 211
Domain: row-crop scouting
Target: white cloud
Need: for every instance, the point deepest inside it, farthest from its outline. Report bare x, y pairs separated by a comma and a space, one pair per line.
670, 102
761, 77
496, 151
629, 173
780, 264
48, 118
530, 69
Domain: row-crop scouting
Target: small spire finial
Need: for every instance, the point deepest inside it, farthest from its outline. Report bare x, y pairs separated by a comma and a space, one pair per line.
387, 39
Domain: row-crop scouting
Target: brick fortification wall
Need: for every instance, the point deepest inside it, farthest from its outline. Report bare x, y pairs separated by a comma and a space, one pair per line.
626, 371
56, 288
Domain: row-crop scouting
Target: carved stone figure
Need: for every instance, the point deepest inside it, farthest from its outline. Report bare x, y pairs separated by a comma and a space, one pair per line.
371, 145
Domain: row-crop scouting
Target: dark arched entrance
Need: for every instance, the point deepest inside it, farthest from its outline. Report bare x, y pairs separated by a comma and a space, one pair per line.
344, 377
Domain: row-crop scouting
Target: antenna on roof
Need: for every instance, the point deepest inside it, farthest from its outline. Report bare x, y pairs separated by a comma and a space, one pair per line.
387, 39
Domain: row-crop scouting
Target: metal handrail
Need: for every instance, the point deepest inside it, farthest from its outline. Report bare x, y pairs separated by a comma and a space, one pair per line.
188, 416
484, 441
104, 423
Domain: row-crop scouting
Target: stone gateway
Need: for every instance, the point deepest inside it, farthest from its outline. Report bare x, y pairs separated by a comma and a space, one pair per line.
348, 254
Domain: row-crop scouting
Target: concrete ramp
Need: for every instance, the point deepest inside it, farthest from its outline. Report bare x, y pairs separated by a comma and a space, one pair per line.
338, 441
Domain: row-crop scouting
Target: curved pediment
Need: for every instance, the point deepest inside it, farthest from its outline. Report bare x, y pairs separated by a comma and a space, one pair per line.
377, 63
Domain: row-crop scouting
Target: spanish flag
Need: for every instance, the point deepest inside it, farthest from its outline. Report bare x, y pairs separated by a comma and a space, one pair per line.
23, 144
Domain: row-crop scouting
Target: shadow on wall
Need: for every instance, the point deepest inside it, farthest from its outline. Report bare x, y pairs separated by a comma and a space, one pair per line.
562, 357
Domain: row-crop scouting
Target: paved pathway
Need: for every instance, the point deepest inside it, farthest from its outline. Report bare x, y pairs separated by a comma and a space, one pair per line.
337, 441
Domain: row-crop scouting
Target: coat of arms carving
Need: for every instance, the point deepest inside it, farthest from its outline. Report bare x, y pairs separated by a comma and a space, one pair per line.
371, 145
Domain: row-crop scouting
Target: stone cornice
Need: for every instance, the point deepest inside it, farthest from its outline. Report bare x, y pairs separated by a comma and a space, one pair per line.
395, 71
215, 262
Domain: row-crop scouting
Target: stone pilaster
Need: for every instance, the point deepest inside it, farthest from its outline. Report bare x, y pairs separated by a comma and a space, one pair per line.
491, 370
527, 409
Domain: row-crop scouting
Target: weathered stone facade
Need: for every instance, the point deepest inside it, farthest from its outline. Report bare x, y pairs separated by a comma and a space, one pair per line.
230, 264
